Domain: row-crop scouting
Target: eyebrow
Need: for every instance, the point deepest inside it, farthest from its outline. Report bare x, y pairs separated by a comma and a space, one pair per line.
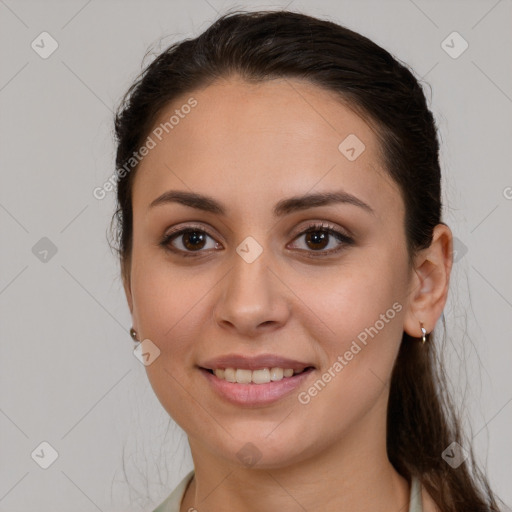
283, 207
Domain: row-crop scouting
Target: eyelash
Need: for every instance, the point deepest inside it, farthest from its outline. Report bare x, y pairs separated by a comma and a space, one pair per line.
311, 228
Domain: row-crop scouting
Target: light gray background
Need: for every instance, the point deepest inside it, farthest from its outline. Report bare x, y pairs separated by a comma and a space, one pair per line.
68, 375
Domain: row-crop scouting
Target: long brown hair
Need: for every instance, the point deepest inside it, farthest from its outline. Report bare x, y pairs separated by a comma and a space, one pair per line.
259, 46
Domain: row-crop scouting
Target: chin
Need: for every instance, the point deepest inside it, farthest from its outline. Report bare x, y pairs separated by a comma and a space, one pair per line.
257, 450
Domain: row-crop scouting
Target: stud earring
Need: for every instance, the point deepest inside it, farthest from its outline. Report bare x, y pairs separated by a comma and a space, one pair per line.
133, 334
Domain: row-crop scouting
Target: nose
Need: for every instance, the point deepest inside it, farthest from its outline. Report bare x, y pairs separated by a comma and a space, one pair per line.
251, 298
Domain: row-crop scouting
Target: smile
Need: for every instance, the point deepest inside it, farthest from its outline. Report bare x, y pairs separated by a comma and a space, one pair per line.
256, 389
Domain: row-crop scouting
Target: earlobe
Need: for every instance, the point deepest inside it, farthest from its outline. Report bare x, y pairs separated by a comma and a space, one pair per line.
429, 283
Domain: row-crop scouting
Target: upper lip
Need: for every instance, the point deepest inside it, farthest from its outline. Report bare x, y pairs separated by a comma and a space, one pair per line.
254, 362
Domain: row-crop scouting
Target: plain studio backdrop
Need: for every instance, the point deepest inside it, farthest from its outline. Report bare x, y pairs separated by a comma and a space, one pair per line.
73, 397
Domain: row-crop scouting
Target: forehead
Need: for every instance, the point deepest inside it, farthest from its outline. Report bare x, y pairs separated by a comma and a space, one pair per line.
253, 143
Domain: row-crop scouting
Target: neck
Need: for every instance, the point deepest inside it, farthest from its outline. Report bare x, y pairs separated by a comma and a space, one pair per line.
354, 473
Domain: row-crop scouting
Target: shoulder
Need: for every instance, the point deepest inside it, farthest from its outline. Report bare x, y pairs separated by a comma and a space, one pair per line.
173, 501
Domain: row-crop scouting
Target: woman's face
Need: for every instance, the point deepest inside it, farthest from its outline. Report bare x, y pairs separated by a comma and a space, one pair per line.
247, 289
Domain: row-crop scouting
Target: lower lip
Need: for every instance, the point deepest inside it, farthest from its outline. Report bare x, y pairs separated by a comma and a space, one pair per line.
256, 394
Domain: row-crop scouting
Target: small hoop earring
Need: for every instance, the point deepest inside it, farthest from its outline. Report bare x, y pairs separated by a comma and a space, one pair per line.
133, 334
424, 333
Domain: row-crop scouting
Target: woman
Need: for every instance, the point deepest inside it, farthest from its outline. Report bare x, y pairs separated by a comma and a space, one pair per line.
285, 264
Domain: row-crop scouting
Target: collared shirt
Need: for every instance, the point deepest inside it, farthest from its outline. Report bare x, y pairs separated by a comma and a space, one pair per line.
173, 501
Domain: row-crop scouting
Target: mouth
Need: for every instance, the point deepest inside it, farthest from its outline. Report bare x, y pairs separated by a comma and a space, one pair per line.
255, 381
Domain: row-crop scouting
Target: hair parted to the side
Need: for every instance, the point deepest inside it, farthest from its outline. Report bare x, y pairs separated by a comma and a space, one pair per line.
259, 46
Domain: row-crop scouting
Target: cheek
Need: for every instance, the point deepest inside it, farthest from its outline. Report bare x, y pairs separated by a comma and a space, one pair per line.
365, 330
166, 305
164, 298
362, 310
170, 310
354, 298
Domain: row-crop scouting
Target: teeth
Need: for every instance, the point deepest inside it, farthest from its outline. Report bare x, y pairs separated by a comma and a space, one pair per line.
229, 375
276, 373
262, 376
243, 376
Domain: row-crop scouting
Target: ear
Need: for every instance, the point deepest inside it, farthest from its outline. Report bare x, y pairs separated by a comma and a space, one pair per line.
429, 283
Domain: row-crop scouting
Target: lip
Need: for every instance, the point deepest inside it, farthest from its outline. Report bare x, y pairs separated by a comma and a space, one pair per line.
255, 395
258, 362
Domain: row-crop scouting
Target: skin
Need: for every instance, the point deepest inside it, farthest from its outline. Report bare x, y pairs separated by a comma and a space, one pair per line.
250, 146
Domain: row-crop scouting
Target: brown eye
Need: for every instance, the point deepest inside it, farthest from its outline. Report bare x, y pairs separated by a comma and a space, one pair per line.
193, 240
189, 240
317, 240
